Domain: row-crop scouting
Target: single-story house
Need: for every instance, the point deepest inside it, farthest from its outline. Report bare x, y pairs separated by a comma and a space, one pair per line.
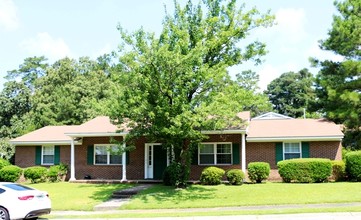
269, 138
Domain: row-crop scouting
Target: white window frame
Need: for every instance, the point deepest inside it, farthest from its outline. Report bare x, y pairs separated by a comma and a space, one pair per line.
108, 146
43, 154
215, 153
284, 148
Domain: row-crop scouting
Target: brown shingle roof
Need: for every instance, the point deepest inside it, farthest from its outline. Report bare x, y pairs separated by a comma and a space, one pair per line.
293, 129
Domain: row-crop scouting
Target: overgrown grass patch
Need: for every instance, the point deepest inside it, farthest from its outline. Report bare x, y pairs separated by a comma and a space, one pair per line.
77, 196
199, 196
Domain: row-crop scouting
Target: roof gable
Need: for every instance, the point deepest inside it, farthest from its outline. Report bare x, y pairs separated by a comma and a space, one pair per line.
271, 116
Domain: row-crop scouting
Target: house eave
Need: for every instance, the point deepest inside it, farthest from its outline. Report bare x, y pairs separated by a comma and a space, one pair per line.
240, 131
305, 138
35, 143
96, 134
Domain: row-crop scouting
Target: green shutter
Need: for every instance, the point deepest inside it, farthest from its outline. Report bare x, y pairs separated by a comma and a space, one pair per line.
195, 156
279, 152
305, 150
90, 155
57, 155
235, 151
38, 155
127, 156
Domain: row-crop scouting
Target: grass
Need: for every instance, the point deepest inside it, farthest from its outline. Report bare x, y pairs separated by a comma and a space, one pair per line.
79, 197
198, 196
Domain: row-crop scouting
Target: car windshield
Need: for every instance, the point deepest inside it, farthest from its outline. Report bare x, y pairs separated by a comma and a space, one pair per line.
17, 187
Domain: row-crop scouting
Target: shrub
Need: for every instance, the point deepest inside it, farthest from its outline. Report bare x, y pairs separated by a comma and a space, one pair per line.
35, 174
10, 173
212, 176
305, 170
4, 163
235, 176
258, 171
338, 170
171, 174
353, 165
56, 172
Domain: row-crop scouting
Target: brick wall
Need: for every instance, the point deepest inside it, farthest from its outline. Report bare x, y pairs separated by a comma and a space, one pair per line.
255, 152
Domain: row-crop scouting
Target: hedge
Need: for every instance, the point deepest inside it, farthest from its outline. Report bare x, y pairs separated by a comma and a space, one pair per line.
338, 170
212, 176
10, 173
305, 170
4, 163
36, 174
235, 176
258, 171
353, 165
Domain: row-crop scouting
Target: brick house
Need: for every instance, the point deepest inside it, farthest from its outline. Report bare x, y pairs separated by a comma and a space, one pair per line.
89, 151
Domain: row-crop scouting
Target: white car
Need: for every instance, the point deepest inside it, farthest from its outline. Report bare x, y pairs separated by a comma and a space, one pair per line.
21, 202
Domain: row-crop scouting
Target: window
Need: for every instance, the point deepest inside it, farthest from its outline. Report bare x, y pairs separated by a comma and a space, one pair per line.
215, 153
292, 150
107, 154
47, 157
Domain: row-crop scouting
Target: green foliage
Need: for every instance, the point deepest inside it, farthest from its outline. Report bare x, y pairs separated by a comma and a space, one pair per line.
338, 84
36, 174
338, 170
57, 172
172, 176
170, 81
353, 165
4, 163
235, 176
212, 176
291, 93
305, 170
258, 171
10, 173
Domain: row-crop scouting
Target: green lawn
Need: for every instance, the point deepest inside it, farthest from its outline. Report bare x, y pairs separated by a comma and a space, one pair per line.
160, 197
76, 196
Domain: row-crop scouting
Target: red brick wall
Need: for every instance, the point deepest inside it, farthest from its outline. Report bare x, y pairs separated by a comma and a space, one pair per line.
255, 152
196, 170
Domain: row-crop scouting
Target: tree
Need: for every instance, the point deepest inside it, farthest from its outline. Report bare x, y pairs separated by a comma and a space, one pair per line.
338, 84
169, 81
292, 93
71, 92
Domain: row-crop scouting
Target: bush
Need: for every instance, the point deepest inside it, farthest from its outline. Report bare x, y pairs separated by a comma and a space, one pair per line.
35, 174
338, 170
171, 175
212, 176
10, 173
258, 171
56, 172
353, 165
235, 176
4, 163
305, 170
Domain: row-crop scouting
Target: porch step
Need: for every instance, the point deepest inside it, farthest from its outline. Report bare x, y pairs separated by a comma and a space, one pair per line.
127, 193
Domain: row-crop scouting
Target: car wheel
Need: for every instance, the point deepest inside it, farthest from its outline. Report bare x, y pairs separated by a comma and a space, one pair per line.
4, 215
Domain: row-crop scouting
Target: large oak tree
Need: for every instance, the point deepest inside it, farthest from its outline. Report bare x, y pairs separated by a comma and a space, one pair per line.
172, 80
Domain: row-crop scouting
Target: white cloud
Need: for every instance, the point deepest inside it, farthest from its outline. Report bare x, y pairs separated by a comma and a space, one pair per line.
266, 74
291, 24
44, 44
8, 15
315, 52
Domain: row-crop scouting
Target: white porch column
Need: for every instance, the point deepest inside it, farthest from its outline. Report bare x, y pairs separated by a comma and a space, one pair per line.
243, 152
72, 160
124, 166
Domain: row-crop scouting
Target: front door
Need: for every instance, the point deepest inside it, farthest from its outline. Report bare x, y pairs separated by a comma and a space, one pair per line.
155, 161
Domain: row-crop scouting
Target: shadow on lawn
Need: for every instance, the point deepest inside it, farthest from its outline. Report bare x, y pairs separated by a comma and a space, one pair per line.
105, 191
162, 193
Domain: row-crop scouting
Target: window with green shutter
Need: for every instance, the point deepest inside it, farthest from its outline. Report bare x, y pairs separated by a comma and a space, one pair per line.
305, 150
279, 151
90, 155
38, 155
235, 152
57, 155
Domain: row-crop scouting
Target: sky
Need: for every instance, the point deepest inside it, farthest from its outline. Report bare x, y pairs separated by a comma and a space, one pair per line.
68, 28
